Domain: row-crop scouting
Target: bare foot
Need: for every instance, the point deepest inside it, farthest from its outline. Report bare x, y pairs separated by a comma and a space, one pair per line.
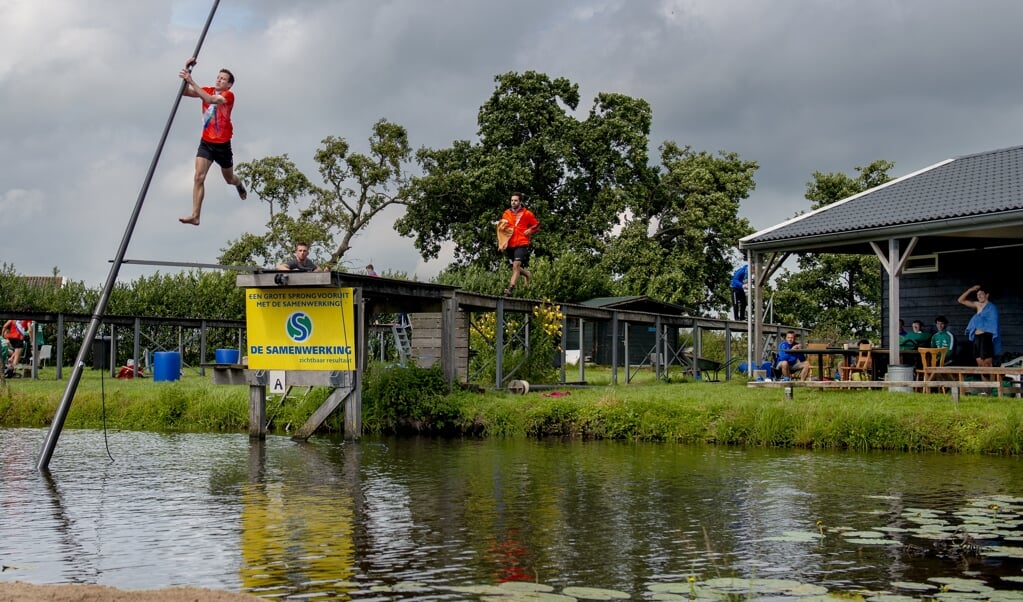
241, 191
189, 220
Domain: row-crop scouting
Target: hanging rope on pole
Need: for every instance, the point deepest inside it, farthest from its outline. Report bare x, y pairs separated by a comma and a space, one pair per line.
101, 305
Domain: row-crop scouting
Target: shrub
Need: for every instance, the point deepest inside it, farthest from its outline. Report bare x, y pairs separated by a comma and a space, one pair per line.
397, 399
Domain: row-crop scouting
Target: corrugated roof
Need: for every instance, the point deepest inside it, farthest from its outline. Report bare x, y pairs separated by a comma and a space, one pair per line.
988, 184
634, 303
44, 281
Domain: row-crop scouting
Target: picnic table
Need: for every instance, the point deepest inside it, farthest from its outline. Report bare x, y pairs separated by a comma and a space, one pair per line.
849, 355
959, 373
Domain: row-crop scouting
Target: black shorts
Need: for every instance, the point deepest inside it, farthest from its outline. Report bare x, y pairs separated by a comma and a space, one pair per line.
983, 345
519, 254
218, 153
16, 343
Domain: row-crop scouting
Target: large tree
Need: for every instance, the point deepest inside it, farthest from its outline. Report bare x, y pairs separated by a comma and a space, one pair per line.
357, 187
837, 295
677, 244
605, 211
575, 173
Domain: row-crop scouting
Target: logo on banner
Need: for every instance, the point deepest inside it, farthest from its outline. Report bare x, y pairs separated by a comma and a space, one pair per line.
299, 326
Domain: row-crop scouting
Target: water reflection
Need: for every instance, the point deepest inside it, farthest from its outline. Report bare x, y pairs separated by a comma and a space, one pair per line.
295, 531
414, 518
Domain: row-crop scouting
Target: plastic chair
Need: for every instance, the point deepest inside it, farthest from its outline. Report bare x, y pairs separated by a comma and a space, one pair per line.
45, 353
862, 365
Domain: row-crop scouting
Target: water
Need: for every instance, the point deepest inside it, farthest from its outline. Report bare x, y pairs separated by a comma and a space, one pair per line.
421, 518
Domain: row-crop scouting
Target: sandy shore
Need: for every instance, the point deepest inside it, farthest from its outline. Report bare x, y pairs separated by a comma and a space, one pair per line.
25, 592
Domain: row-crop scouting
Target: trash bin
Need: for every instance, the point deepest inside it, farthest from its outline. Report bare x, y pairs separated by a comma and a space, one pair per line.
101, 353
166, 366
901, 372
226, 356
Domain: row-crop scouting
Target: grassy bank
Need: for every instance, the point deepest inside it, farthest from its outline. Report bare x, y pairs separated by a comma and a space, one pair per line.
724, 413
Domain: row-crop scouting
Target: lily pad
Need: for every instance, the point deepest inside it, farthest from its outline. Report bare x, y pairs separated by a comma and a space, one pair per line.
594, 593
957, 584
913, 586
670, 588
863, 534
684, 590
513, 596
525, 586
894, 529
479, 590
873, 541
890, 598
742, 585
1002, 551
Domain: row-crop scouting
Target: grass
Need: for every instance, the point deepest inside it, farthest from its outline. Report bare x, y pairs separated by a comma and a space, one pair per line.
725, 413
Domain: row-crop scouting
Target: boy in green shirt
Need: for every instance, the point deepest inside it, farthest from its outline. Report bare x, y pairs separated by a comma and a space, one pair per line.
943, 338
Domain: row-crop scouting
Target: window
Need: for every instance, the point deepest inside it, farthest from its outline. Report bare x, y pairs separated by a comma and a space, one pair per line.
919, 264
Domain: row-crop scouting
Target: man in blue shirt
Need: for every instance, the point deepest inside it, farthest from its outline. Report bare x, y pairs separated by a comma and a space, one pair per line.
788, 361
739, 292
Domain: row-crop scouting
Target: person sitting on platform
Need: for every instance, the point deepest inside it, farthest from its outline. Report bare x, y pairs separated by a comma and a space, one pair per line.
788, 361
301, 261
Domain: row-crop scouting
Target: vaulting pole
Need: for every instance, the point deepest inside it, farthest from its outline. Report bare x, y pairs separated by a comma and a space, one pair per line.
104, 298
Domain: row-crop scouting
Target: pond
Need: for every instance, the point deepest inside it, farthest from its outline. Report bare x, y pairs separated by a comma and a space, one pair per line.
389, 519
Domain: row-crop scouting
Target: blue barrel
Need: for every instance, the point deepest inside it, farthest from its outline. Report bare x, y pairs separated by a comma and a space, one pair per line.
226, 356
166, 365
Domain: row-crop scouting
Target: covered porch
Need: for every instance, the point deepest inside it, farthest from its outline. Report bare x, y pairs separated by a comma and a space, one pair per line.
936, 232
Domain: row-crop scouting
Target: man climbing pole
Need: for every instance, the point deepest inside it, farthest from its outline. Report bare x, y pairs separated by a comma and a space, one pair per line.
215, 145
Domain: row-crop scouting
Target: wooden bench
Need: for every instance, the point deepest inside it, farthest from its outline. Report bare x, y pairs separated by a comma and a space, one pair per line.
997, 374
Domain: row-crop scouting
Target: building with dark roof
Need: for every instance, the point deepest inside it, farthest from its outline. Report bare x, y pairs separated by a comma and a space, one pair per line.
937, 232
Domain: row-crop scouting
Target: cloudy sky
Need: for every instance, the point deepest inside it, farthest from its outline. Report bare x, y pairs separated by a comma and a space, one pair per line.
796, 85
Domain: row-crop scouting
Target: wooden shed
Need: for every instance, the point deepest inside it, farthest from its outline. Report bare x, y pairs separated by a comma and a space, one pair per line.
640, 338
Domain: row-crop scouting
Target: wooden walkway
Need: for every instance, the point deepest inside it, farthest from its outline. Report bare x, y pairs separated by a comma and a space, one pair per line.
954, 387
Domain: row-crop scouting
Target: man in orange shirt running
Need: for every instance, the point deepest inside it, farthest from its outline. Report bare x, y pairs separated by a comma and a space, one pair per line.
523, 225
215, 146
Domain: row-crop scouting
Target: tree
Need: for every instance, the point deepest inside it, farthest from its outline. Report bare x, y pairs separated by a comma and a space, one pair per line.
838, 296
357, 188
677, 245
573, 172
610, 221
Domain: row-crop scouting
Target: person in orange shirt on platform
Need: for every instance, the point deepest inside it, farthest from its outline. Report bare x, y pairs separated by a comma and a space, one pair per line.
523, 225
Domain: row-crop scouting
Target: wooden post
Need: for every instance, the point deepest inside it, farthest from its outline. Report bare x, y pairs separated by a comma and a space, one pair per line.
448, 334
353, 404
257, 412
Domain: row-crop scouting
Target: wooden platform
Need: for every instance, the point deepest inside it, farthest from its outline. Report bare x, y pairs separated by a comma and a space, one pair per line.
955, 387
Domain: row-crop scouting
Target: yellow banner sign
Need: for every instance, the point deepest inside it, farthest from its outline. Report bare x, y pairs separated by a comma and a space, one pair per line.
300, 328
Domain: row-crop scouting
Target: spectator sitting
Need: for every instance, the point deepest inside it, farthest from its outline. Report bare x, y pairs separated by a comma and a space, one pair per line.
914, 339
943, 338
788, 361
